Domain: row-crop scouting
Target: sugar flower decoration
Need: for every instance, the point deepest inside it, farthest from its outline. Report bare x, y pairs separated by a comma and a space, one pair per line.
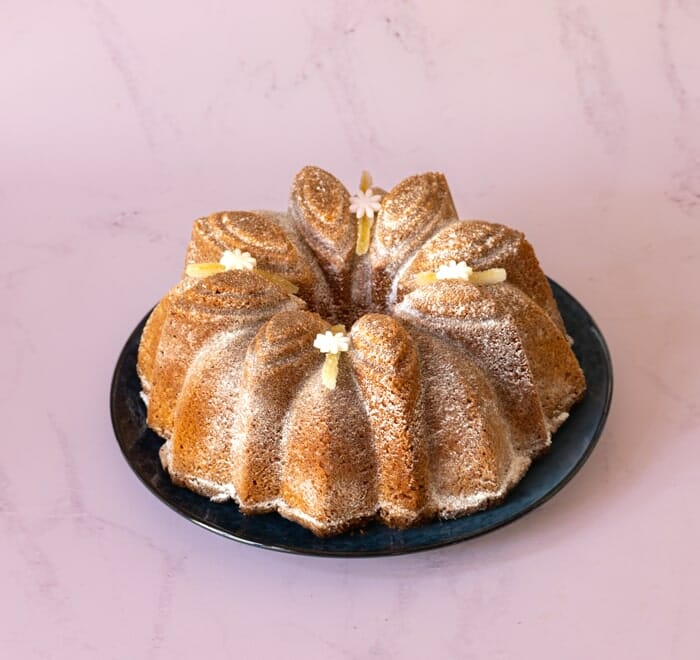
453, 271
237, 260
333, 342
364, 203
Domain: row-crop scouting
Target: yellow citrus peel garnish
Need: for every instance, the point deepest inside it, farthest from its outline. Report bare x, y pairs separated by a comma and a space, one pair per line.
280, 281
426, 277
237, 260
365, 181
364, 205
490, 276
204, 270
364, 234
329, 372
460, 271
333, 342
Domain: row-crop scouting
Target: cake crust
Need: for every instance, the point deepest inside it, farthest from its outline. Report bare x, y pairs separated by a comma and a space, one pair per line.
449, 376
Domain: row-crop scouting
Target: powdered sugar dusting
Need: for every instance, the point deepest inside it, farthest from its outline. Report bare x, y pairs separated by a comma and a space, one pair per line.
391, 440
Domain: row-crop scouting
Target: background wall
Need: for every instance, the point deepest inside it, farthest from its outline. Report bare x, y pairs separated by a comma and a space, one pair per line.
120, 122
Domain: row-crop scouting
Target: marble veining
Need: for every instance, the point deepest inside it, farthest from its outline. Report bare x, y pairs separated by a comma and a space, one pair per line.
166, 594
332, 57
41, 568
124, 60
601, 100
685, 190
76, 504
16, 337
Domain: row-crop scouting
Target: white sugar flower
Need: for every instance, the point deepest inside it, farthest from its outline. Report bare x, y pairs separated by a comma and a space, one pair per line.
329, 342
237, 260
364, 203
453, 271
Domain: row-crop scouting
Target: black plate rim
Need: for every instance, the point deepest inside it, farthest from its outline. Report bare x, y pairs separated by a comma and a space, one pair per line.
558, 291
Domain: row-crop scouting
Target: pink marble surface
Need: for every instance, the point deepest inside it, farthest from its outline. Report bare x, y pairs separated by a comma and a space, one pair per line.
578, 122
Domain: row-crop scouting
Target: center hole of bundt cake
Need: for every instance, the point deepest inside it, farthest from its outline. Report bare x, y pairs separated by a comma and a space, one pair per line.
347, 299
346, 317
338, 312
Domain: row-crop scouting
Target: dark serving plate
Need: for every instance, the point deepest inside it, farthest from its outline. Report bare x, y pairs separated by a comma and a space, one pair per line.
571, 446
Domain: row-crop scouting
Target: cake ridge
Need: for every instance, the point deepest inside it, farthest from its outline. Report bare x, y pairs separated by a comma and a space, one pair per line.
405, 265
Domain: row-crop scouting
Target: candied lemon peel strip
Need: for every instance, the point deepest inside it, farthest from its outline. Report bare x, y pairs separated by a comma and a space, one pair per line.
238, 260
333, 342
364, 204
454, 270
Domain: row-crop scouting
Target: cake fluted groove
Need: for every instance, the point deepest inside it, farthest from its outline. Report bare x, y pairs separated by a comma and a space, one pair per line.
197, 454
276, 362
330, 465
321, 298
483, 245
556, 373
385, 361
150, 337
259, 234
407, 265
410, 212
221, 303
462, 311
472, 461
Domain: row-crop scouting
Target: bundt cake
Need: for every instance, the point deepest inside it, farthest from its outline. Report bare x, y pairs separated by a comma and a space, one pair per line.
455, 371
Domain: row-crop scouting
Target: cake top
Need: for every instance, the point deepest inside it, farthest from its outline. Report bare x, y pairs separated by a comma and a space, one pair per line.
346, 235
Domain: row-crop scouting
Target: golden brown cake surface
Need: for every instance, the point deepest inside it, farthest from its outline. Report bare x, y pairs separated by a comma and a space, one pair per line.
449, 379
